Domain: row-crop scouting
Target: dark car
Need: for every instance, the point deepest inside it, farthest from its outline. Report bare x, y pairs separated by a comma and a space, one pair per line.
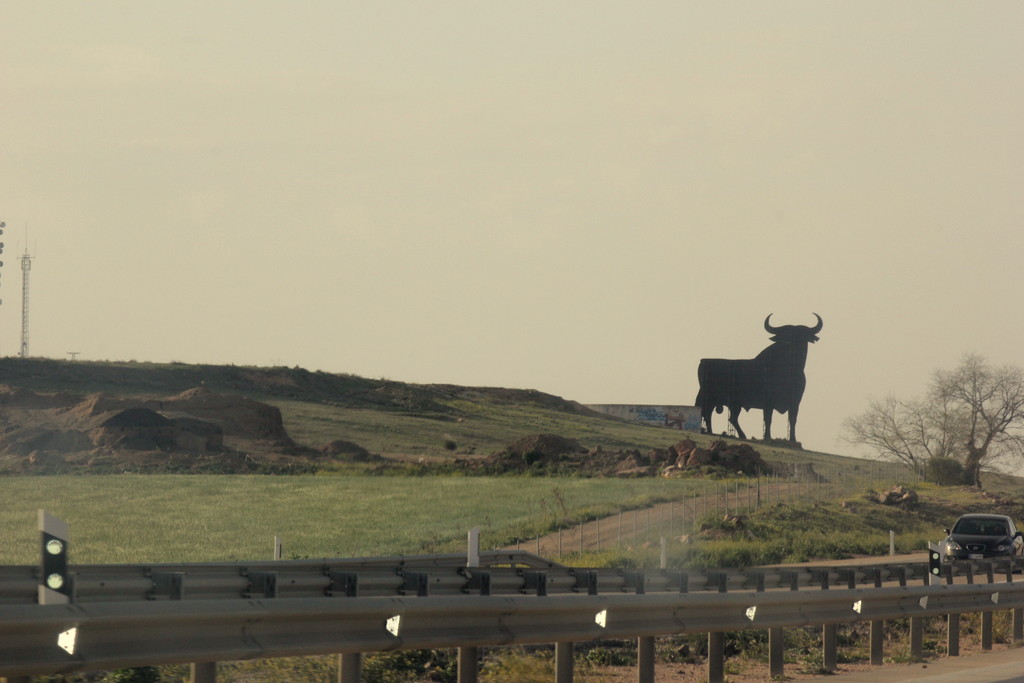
978, 537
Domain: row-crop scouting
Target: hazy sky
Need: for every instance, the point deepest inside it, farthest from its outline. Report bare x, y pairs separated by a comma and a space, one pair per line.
583, 198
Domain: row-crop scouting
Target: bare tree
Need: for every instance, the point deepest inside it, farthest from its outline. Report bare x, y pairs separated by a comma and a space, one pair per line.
911, 432
973, 414
988, 412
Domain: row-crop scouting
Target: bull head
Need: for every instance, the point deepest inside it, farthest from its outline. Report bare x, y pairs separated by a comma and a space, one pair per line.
793, 333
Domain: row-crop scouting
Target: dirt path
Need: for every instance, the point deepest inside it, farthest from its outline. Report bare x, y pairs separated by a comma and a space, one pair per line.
644, 527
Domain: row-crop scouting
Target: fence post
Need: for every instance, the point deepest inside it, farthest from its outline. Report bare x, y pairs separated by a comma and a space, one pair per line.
473, 547
645, 659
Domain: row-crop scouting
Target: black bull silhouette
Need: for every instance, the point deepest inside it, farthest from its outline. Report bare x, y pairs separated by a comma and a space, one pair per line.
774, 380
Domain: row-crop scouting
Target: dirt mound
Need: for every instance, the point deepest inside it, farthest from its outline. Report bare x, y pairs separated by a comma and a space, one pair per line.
541, 449
24, 441
552, 454
16, 396
729, 457
348, 451
196, 430
96, 404
236, 415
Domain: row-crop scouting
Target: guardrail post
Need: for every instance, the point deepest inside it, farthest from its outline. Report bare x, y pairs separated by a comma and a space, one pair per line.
829, 640
716, 658
877, 628
716, 641
468, 657
776, 642
563, 662
203, 672
350, 667
986, 616
916, 623
952, 622
645, 659
1018, 612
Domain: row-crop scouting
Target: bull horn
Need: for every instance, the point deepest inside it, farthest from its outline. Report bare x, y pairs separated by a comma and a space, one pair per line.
817, 328
768, 328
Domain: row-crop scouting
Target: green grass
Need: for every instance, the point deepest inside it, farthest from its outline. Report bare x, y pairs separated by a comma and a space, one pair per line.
180, 518
477, 428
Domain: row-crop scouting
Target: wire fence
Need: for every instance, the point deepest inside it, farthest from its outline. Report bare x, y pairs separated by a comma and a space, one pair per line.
706, 499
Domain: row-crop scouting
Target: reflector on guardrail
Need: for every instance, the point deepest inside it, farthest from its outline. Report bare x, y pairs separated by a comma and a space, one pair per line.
55, 583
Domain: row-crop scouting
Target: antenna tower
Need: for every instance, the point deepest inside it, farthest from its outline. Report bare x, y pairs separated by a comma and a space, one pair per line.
26, 267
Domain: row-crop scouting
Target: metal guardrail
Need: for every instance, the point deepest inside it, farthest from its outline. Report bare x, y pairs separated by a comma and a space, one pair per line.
132, 615
505, 573
120, 634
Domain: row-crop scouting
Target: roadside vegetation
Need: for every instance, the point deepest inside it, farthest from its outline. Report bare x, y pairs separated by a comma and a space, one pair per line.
418, 504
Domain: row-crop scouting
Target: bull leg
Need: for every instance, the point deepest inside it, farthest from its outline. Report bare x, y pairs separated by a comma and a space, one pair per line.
792, 424
734, 421
705, 419
768, 424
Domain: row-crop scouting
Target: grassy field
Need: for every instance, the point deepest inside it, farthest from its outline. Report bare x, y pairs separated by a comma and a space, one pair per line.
172, 518
158, 518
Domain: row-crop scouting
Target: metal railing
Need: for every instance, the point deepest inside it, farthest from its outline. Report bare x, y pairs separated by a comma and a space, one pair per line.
134, 615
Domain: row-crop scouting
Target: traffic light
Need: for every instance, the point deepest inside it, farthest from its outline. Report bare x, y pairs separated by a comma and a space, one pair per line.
55, 581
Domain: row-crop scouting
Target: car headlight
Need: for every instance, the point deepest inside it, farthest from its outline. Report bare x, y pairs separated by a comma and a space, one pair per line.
1002, 547
951, 545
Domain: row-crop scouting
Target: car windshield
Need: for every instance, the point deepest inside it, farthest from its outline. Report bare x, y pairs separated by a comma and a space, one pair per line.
981, 527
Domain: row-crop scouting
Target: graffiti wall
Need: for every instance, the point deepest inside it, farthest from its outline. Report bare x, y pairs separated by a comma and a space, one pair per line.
678, 417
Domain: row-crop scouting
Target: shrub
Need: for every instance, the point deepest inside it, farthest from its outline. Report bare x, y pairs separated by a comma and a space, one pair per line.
945, 471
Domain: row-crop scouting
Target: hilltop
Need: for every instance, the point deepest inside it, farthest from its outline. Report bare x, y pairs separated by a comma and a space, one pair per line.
176, 417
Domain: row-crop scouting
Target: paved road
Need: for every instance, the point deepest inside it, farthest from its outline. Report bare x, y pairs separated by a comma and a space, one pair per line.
1002, 666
